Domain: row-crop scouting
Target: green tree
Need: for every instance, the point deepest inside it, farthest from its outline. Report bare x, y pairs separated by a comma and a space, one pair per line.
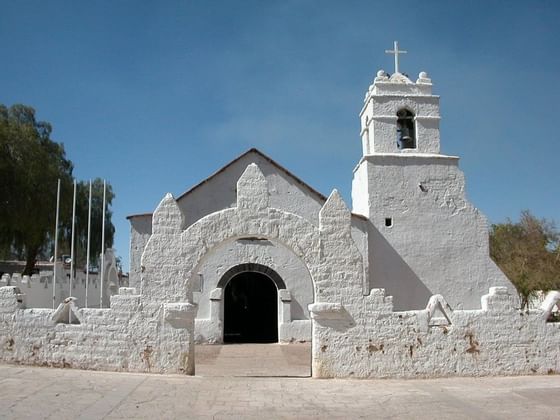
528, 252
30, 164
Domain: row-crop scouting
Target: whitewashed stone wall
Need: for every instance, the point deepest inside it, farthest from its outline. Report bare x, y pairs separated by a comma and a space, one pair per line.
102, 340
140, 232
122, 338
374, 341
437, 242
38, 288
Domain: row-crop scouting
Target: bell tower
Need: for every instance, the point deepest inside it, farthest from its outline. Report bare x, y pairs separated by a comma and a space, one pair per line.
400, 116
425, 236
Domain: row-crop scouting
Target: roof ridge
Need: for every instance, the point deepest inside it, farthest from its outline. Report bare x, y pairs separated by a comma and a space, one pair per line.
227, 165
266, 157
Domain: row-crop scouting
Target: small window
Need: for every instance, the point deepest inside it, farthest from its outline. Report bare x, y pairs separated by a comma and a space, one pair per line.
405, 130
388, 221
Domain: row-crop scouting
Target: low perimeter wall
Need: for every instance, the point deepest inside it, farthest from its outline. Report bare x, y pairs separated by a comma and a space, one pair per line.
129, 336
362, 339
368, 339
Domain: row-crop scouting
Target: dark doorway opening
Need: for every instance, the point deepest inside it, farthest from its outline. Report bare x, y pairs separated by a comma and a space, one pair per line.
250, 309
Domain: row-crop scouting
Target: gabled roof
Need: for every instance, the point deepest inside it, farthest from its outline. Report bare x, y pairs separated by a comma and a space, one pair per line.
224, 168
265, 157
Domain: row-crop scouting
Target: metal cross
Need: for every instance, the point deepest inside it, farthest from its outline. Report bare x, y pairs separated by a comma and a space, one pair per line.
396, 53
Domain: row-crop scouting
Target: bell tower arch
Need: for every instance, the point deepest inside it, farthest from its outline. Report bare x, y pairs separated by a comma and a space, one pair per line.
399, 115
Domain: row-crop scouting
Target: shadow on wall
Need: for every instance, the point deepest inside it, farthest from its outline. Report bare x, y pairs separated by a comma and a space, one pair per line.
335, 317
390, 272
297, 311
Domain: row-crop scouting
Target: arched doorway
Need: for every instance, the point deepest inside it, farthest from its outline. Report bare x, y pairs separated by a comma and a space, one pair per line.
250, 309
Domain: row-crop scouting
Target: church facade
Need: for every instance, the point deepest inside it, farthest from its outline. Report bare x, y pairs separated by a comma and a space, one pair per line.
416, 232
402, 285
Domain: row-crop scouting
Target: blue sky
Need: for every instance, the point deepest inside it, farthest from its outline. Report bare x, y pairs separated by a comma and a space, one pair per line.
155, 96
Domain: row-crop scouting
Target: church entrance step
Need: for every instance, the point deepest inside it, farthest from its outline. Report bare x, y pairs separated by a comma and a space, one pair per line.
281, 360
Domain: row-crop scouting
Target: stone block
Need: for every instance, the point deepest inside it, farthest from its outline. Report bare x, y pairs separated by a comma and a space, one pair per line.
127, 291
217, 293
284, 295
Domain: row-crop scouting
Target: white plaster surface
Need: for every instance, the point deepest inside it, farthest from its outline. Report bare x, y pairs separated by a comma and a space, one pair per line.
140, 232
438, 242
497, 339
38, 288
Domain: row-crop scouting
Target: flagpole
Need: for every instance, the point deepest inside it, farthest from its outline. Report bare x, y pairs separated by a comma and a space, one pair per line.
102, 268
88, 244
72, 249
55, 243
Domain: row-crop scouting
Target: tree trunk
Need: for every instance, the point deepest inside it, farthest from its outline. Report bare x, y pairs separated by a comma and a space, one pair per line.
30, 260
524, 302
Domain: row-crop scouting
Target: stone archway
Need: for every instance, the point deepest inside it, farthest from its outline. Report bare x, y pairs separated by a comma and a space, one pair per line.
173, 253
252, 267
185, 249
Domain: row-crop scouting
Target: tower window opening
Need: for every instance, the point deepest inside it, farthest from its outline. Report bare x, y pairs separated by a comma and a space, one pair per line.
388, 221
405, 130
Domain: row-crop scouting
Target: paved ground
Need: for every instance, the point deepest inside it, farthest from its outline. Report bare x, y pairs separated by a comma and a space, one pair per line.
28, 392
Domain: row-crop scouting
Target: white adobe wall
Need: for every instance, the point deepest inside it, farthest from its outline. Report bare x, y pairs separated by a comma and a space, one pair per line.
38, 288
105, 339
140, 232
438, 242
380, 343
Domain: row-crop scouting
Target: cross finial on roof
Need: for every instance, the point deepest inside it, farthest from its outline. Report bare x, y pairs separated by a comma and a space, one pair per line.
396, 53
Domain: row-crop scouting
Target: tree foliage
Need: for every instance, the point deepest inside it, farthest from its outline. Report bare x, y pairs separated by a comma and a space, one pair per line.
528, 252
30, 165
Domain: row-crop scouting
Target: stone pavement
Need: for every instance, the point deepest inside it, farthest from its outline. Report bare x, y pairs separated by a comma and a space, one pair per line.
254, 360
41, 393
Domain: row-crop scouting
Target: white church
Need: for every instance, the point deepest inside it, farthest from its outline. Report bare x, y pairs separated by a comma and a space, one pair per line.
416, 233
402, 285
